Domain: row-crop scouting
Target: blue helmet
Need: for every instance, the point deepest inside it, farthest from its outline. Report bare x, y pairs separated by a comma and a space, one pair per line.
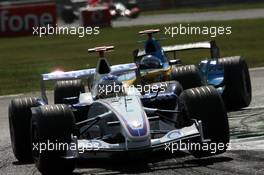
150, 62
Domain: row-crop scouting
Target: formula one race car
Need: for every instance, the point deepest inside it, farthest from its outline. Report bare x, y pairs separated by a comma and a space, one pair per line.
118, 9
70, 10
111, 117
229, 75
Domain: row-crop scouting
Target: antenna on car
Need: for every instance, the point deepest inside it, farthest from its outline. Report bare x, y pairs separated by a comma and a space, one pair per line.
101, 50
149, 32
103, 67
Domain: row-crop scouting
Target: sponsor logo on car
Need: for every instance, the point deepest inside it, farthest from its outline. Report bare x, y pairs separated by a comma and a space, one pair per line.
19, 20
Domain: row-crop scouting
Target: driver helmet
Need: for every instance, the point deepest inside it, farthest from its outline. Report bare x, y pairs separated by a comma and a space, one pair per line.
150, 62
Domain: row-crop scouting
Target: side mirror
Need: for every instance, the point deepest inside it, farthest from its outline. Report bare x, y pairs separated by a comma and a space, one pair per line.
175, 62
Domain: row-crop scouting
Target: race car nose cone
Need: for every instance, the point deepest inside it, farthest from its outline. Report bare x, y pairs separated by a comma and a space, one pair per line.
136, 124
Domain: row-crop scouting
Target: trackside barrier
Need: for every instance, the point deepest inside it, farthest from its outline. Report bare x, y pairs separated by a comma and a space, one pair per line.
19, 19
95, 17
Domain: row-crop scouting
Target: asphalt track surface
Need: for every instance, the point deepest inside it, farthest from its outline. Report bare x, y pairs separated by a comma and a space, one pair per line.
182, 17
246, 155
191, 17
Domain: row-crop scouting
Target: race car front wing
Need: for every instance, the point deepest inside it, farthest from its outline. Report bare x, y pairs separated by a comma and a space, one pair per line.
85, 147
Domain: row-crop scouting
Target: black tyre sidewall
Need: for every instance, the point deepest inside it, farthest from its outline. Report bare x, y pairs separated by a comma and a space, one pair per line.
19, 124
188, 76
69, 88
207, 106
57, 127
237, 93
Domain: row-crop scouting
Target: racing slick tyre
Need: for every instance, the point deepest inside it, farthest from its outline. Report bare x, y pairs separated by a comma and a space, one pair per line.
19, 115
188, 76
66, 89
52, 125
237, 93
205, 104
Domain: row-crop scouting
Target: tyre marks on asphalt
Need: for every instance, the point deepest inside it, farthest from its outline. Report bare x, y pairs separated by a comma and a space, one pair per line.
4, 151
243, 123
247, 123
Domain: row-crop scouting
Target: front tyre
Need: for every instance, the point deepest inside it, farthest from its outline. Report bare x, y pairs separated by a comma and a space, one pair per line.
237, 93
19, 116
52, 125
205, 104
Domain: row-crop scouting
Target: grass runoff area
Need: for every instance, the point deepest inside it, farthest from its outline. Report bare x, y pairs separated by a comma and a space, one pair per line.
224, 7
23, 59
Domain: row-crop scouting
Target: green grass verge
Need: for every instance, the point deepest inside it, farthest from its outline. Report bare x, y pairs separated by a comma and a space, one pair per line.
223, 7
22, 60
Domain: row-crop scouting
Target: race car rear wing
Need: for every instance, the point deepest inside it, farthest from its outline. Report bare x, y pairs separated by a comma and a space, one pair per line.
86, 73
215, 53
80, 74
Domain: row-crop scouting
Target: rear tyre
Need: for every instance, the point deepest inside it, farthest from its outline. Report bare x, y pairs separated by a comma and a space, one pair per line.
66, 89
237, 93
52, 124
19, 116
188, 76
205, 104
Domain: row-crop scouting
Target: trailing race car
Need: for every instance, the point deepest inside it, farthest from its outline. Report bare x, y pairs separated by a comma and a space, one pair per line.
118, 9
229, 75
70, 10
122, 120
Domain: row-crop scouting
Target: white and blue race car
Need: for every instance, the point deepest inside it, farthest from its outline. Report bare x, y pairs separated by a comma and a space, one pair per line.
107, 117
